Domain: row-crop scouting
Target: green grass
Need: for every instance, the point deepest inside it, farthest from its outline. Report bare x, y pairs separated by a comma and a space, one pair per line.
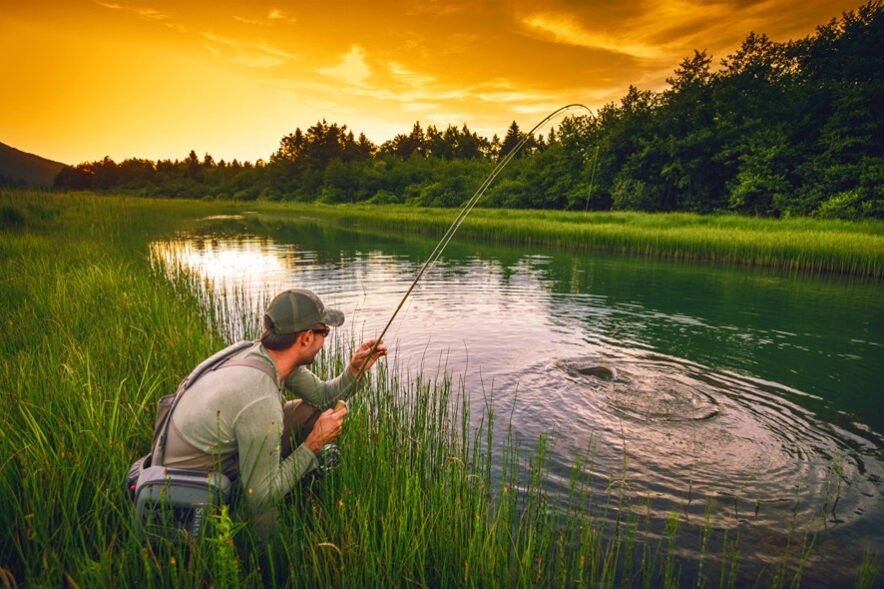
796, 245
807, 245
93, 335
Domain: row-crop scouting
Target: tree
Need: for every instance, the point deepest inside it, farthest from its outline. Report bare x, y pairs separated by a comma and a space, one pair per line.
290, 148
511, 140
761, 186
76, 178
193, 166
469, 145
686, 142
406, 146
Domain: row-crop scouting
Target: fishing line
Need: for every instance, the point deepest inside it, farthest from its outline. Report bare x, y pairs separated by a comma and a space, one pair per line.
464, 211
595, 160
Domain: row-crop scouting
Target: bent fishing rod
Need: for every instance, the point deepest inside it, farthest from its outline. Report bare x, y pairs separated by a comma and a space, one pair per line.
464, 211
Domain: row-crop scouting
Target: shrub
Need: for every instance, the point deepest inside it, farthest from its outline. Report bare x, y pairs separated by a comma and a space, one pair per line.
384, 197
844, 205
11, 217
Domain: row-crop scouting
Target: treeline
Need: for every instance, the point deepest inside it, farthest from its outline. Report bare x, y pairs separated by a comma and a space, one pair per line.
791, 128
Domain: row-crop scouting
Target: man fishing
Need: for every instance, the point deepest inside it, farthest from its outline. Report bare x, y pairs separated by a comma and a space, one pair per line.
238, 420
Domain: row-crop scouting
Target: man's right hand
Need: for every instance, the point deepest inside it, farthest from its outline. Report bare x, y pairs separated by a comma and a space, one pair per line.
327, 428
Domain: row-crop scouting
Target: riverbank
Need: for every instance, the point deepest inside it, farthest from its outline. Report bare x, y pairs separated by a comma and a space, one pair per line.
804, 245
93, 335
801, 245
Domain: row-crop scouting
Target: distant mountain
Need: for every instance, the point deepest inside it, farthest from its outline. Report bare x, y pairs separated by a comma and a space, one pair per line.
17, 166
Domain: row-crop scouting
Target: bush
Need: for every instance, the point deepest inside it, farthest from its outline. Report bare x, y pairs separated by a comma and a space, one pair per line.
631, 195
268, 193
844, 205
246, 194
384, 197
11, 217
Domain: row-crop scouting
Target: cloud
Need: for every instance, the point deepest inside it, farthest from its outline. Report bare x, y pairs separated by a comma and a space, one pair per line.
520, 96
409, 77
395, 87
273, 16
280, 15
352, 68
566, 29
435, 8
148, 13
677, 23
419, 106
537, 109
505, 92
247, 54
437, 101
176, 26
250, 21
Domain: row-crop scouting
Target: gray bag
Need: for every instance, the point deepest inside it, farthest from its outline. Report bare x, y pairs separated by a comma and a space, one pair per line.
172, 503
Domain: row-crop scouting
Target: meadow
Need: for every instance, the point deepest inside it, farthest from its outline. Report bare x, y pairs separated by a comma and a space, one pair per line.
94, 334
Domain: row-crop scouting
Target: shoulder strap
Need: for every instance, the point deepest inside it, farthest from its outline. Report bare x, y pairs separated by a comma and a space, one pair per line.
256, 363
214, 362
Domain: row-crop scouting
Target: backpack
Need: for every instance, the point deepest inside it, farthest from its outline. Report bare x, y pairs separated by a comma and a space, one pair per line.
171, 503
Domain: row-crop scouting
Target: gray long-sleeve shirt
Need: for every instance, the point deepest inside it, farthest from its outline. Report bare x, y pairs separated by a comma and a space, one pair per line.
234, 418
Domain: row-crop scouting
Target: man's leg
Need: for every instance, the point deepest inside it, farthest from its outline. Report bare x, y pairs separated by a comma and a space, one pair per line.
298, 420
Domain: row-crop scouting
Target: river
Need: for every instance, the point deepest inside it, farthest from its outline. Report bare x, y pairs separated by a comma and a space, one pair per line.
753, 388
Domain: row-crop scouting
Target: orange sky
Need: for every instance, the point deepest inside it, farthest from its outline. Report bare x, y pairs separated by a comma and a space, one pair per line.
83, 79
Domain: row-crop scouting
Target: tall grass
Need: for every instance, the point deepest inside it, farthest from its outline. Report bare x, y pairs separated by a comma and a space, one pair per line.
794, 244
802, 244
93, 335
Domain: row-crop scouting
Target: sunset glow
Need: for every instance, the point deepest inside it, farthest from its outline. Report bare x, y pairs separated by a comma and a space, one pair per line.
154, 79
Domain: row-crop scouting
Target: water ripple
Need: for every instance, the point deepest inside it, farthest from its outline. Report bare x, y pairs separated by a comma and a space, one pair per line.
685, 431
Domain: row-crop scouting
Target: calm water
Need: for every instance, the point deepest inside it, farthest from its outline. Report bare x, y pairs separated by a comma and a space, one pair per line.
753, 388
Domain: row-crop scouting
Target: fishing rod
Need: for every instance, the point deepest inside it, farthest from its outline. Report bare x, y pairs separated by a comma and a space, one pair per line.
464, 211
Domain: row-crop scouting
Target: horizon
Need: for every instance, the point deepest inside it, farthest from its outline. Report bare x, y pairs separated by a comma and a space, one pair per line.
155, 80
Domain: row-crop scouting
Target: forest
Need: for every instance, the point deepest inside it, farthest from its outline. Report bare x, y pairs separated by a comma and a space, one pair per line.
774, 129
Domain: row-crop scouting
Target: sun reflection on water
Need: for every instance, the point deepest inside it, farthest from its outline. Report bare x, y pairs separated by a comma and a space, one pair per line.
227, 262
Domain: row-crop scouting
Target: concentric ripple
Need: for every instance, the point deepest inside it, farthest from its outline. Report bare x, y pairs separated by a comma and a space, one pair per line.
685, 431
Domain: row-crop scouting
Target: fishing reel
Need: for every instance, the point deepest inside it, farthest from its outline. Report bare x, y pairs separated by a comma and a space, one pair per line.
329, 458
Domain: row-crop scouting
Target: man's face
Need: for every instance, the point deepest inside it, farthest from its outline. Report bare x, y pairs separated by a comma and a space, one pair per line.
319, 333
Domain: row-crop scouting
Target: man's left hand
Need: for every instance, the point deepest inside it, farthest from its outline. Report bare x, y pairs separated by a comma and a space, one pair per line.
364, 358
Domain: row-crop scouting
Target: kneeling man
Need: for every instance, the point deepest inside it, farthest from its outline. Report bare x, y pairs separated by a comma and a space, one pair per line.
239, 421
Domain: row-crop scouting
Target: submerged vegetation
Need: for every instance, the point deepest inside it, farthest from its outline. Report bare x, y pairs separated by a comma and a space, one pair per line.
775, 129
93, 335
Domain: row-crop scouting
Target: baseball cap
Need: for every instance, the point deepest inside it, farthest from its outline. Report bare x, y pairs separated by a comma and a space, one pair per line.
298, 309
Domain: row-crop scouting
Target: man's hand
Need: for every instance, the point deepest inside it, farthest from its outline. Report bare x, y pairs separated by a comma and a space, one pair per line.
361, 361
327, 428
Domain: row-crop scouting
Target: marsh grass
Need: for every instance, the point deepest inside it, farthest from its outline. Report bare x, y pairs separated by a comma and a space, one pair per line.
94, 334
799, 245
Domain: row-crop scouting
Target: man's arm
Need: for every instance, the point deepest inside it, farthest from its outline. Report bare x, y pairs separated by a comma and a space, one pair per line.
264, 478
321, 394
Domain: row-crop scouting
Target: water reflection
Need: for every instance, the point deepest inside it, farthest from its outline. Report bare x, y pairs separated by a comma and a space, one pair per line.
242, 262
750, 389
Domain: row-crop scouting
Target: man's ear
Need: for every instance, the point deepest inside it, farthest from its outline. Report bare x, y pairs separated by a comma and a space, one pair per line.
304, 338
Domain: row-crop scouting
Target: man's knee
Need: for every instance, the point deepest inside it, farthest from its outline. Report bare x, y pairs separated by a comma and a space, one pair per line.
298, 420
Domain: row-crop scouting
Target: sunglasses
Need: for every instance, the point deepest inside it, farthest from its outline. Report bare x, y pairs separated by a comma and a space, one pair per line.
323, 331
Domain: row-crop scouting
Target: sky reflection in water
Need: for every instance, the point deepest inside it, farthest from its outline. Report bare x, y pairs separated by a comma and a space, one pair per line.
754, 389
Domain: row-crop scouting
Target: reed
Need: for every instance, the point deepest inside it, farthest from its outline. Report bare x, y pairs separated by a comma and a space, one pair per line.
94, 335
799, 244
